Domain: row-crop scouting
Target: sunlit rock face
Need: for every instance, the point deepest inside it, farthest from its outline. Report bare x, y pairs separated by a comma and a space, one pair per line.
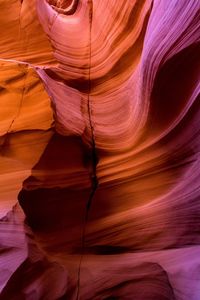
99, 150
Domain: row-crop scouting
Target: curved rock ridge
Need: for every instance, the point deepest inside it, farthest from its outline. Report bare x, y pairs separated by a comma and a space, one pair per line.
25, 117
99, 149
66, 7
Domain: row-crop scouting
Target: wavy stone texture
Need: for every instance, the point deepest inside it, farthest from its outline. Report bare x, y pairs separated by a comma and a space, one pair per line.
99, 150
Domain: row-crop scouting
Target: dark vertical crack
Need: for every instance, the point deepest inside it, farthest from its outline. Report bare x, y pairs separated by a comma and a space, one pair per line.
93, 154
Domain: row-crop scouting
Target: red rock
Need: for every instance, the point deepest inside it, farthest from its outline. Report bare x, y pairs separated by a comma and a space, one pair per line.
99, 137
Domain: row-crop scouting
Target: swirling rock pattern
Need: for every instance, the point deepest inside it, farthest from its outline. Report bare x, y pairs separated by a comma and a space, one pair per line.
99, 141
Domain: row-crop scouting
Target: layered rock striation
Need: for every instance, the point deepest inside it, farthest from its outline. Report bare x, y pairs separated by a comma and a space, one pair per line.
99, 149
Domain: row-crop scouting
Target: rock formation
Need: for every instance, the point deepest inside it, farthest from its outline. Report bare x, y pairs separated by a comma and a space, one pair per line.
99, 150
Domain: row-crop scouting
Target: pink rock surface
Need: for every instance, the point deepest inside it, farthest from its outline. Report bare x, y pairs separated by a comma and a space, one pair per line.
99, 150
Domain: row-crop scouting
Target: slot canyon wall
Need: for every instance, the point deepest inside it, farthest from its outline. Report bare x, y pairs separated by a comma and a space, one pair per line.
99, 150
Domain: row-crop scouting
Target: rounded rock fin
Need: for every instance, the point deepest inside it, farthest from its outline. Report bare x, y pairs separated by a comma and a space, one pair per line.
65, 7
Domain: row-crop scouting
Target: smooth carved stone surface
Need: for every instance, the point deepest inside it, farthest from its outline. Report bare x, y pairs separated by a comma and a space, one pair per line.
99, 150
